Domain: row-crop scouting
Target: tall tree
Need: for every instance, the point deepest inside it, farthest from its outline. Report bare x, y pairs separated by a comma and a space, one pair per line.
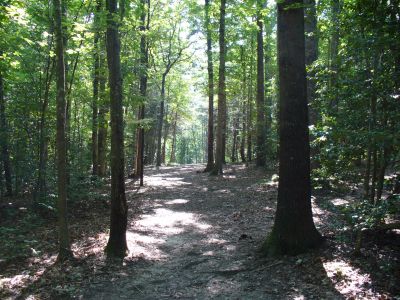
221, 118
260, 126
96, 77
144, 61
294, 230
64, 242
104, 108
117, 245
210, 69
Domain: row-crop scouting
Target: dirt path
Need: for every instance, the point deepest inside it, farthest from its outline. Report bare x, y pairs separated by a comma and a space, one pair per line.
197, 237
192, 236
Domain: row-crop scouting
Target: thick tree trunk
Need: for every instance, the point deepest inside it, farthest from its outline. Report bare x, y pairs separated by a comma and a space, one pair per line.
117, 245
221, 126
64, 243
210, 69
5, 155
294, 230
260, 128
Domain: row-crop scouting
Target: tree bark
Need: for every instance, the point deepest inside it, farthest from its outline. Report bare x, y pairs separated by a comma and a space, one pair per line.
64, 242
210, 69
221, 125
117, 245
294, 230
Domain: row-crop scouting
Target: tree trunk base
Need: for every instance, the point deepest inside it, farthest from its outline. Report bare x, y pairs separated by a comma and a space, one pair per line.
116, 249
276, 245
65, 255
208, 168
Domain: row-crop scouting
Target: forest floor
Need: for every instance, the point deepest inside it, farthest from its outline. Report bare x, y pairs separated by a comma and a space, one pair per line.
194, 236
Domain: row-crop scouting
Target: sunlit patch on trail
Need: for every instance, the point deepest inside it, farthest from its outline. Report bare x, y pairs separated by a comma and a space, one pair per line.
158, 227
144, 246
177, 201
350, 281
167, 182
339, 202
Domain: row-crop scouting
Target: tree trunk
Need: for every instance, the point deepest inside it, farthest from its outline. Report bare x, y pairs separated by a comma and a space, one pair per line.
260, 128
234, 140
64, 243
173, 146
117, 245
221, 125
250, 107
210, 136
96, 76
160, 121
5, 155
164, 143
144, 60
104, 107
334, 54
294, 230
43, 138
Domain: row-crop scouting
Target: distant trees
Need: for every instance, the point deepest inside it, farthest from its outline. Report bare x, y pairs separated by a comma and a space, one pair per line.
294, 230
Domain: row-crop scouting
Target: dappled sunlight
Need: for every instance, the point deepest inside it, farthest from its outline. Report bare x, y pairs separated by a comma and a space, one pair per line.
167, 221
177, 201
144, 246
339, 201
14, 283
158, 227
349, 280
167, 182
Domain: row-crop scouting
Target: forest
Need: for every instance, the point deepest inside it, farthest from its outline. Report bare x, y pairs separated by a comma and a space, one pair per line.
200, 149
